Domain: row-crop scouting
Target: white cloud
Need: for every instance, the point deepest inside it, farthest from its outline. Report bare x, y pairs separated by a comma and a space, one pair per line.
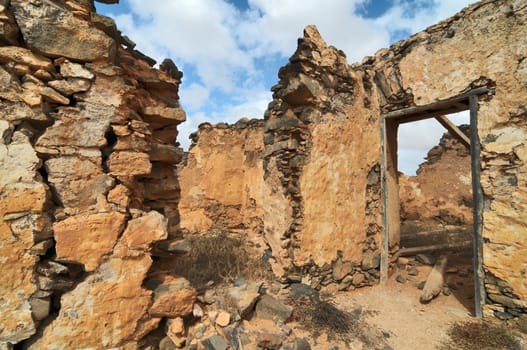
252, 105
218, 46
274, 25
415, 16
190, 126
417, 138
197, 33
194, 96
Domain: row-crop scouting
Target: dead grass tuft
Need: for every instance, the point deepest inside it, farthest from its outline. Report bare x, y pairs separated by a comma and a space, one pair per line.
321, 316
479, 336
220, 258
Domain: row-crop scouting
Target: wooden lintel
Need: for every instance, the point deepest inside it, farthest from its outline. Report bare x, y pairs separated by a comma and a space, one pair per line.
462, 105
427, 115
454, 130
449, 103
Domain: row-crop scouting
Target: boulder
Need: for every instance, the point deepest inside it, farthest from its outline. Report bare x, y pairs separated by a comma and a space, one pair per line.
107, 309
301, 90
74, 130
341, 269
175, 330
215, 342
244, 297
164, 115
141, 233
370, 260
271, 308
75, 70
25, 56
77, 182
126, 163
71, 86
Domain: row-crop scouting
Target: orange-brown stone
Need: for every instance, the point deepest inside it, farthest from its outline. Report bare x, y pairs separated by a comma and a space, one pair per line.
173, 296
85, 239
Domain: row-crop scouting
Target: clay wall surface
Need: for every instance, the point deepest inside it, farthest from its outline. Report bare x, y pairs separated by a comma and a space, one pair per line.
481, 46
441, 191
221, 179
323, 144
87, 169
322, 161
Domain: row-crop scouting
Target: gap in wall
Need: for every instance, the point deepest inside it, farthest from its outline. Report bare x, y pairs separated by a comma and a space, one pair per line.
435, 196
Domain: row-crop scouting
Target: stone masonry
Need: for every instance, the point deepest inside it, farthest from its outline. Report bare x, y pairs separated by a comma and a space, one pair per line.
226, 197
323, 145
87, 180
91, 182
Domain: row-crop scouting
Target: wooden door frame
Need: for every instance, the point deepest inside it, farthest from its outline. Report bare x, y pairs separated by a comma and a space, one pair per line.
390, 187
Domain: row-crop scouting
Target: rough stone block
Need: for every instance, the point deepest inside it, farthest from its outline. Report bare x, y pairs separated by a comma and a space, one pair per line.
85, 239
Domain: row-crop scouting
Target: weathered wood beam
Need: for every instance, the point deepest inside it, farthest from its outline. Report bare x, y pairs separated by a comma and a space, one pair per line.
477, 192
451, 247
427, 115
454, 130
437, 106
434, 282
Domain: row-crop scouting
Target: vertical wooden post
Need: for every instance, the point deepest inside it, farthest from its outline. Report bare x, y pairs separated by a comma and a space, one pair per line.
384, 241
390, 194
477, 193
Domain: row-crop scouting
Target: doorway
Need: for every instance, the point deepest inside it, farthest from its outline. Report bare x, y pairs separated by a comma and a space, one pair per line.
391, 238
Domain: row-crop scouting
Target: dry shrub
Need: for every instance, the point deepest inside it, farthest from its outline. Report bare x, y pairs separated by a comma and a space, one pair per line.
220, 258
321, 316
479, 336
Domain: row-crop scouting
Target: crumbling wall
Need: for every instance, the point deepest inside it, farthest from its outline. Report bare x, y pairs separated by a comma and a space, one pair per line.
481, 46
221, 180
87, 131
323, 145
322, 161
441, 191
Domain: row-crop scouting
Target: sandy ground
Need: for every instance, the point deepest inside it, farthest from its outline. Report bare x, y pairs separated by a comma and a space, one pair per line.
395, 309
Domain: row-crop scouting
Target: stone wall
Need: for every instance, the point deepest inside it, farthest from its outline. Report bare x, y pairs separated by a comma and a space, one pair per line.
221, 180
323, 146
87, 170
322, 170
481, 46
437, 203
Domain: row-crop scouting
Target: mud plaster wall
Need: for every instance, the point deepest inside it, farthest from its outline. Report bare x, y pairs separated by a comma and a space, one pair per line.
221, 179
87, 169
483, 45
323, 144
322, 168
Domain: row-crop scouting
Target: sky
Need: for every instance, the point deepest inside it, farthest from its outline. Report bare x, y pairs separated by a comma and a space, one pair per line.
230, 51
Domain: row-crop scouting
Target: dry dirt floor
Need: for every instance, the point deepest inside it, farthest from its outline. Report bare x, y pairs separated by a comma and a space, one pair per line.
394, 310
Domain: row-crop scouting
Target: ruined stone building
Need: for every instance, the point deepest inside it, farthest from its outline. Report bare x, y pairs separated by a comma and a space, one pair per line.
94, 194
